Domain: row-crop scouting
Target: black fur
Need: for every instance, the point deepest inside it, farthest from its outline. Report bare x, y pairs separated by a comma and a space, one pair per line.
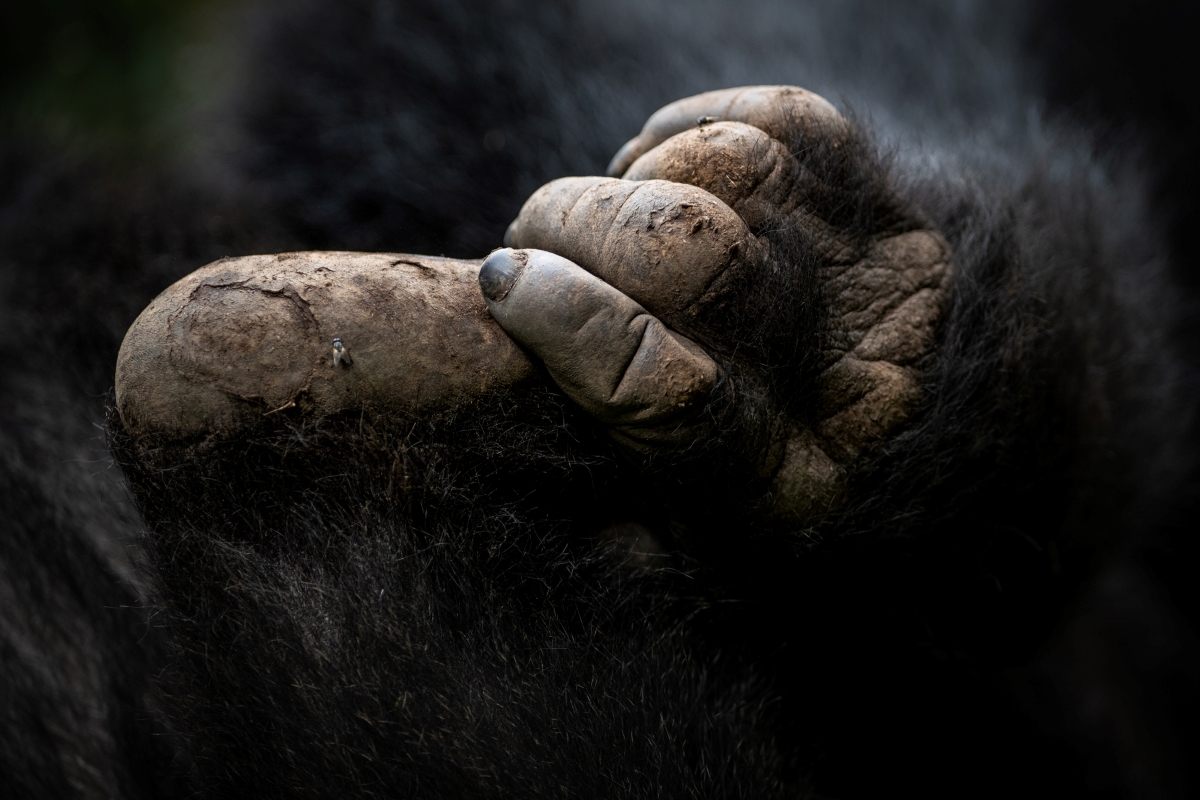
447, 606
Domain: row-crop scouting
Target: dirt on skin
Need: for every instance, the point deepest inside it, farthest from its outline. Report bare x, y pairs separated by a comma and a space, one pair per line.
248, 337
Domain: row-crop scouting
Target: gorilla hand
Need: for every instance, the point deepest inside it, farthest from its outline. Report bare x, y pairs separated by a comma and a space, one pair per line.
751, 275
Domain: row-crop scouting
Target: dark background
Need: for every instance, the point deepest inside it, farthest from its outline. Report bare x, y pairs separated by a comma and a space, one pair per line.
107, 80
1128, 70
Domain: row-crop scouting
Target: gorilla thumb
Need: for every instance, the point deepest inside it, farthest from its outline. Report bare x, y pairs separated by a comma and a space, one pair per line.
605, 351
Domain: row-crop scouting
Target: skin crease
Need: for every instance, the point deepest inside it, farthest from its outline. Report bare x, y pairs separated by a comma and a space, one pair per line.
243, 338
675, 233
672, 248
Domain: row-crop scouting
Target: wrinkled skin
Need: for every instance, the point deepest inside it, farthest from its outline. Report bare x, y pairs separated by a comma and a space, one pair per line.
246, 338
681, 235
655, 298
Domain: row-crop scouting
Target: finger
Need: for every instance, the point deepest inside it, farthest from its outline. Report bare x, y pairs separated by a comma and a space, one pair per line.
604, 350
245, 339
671, 247
741, 165
780, 111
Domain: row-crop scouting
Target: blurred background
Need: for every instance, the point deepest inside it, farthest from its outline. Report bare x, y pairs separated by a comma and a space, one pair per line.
140, 139
113, 73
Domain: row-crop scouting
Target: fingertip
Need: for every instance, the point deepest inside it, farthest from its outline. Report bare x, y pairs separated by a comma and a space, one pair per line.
628, 153
499, 273
510, 234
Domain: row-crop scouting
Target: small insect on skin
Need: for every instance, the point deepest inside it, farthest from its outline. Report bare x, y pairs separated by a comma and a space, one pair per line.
340, 354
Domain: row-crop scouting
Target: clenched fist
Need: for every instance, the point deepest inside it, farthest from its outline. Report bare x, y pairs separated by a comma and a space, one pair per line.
746, 293
746, 276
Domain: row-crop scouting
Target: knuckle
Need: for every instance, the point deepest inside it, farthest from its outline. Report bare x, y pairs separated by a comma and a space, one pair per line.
666, 378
